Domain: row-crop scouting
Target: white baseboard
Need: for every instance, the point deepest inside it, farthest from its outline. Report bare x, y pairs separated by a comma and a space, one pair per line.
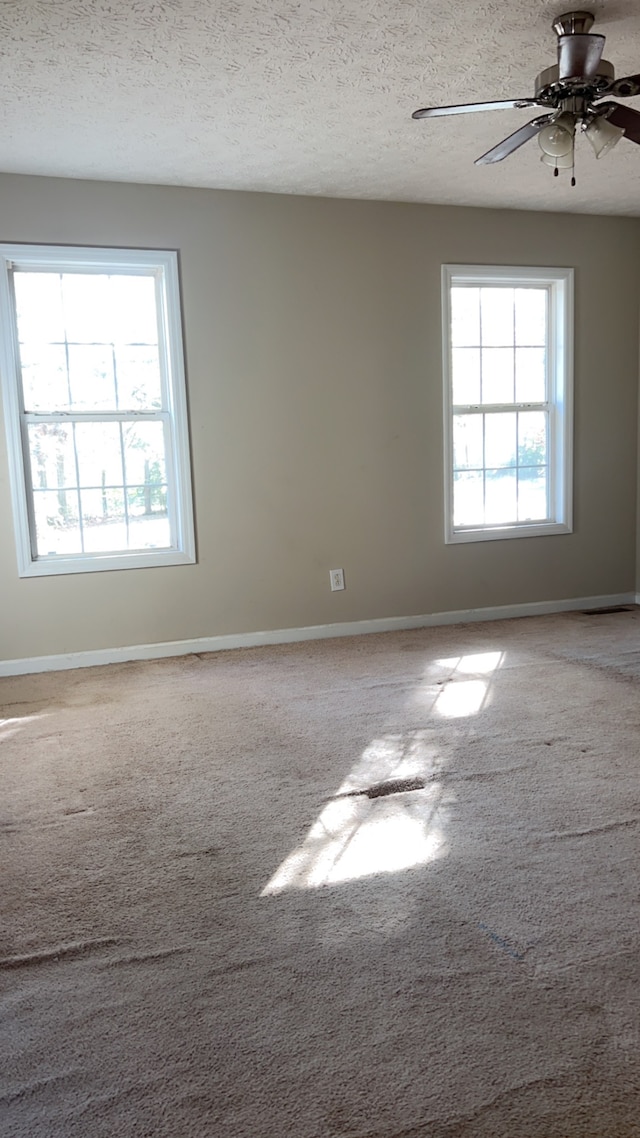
101, 656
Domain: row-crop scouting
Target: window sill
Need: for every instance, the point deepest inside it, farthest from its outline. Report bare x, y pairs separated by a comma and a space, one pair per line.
502, 533
101, 562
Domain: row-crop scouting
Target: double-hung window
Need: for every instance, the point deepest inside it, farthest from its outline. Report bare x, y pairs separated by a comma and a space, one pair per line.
508, 407
92, 372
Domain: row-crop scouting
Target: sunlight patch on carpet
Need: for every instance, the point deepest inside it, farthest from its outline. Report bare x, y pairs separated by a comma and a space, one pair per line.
9, 727
460, 686
364, 831
395, 755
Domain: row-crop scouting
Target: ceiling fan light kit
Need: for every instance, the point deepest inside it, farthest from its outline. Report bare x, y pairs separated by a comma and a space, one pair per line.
559, 162
570, 91
602, 135
556, 138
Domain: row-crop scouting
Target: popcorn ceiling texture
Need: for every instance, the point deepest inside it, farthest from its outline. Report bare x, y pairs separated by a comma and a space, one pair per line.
307, 98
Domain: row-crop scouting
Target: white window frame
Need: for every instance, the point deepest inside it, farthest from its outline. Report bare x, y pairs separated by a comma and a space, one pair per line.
559, 283
163, 265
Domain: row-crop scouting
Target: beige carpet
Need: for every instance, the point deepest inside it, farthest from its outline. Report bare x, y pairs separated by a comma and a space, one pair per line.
211, 931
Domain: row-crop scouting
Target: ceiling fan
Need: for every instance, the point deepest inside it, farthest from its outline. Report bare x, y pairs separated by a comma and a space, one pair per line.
571, 92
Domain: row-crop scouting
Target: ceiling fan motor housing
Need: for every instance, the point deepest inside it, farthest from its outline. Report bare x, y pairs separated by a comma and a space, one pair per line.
580, 70
551, 87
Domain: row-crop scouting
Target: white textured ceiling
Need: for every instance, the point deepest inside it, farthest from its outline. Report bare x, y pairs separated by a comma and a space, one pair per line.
313, 97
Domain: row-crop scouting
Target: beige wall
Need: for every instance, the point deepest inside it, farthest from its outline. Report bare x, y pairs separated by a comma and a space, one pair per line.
312, 332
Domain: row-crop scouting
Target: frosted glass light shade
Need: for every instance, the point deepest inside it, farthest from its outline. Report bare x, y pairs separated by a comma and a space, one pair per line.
562, 162
556, 138
602, 135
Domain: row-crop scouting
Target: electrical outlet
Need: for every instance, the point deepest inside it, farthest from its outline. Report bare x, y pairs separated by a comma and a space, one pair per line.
336, 576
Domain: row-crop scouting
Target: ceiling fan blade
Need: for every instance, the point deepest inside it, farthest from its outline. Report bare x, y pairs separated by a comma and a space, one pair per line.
518, 138
624, 88
465, 108
579, 56
625, 117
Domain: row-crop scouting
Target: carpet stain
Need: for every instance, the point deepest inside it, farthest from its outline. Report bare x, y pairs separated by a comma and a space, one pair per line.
502, 943
394, 786
382, 789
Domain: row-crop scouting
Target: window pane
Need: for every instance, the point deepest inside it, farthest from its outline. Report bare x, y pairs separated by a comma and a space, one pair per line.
497, 316
465, 364
148, 521
532, 438
467, 442
497, 375
531, 375
532, 494
531, 316
91, 377
56, 516
44, 376
102, 316
501, 496
86, 299
99, 454
149, 533
144, 453
103, 520
468, 499
138, 377
143, 501
465, 316
103, 309
500, 439
39, 308
134, 319
51, 455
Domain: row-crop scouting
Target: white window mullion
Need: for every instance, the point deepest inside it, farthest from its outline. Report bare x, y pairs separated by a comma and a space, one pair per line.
78, 492
484, 465
165, 361
28, 484
489, 408
125, 496
174, 512
94, 416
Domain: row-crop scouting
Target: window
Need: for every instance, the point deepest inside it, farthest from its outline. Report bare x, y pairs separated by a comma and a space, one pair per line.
507, 369
92, 372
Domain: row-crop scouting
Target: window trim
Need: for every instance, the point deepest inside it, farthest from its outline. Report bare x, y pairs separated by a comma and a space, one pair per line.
560, 282
178, 461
